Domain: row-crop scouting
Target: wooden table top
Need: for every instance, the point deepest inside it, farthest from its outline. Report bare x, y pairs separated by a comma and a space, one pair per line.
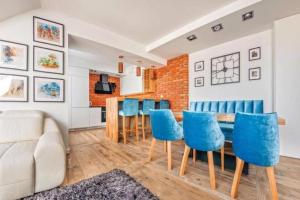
226, 118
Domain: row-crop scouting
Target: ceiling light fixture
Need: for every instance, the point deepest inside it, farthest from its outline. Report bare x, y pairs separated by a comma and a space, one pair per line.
120, 65
248, 15
217, 28
191, 37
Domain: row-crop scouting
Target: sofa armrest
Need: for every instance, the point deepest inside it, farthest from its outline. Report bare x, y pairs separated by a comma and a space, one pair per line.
50, 158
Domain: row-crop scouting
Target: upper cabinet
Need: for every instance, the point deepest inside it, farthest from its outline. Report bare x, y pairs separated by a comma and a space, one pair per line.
149, 80
80, 87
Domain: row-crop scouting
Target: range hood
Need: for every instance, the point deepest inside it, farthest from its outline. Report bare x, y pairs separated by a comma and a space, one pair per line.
103, 86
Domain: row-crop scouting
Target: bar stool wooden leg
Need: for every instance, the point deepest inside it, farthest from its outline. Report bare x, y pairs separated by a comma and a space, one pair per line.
165, 146
194, 156
184, 160
222, 159
272, 181
143, 127
237, 177
124, 129
211, 169
151, 148
169, 155
137, 127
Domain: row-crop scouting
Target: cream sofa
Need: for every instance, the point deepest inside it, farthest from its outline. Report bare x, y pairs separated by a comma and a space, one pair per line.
32, 154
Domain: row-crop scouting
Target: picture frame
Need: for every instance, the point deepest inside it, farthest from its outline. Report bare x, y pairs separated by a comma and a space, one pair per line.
47, 89
199, 81
254, 73
48, 60
48, 32
255, 54
199, 66
13, 88
13, 55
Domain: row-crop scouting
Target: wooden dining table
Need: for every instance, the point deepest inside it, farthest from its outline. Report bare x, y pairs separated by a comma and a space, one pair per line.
222, 117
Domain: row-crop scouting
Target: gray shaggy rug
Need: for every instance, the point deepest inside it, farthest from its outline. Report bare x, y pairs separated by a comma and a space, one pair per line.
114, 185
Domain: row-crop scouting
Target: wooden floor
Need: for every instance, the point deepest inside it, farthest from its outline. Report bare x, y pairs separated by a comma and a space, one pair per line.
92, 154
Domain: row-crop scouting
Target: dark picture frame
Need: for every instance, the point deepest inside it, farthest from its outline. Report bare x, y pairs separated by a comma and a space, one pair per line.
45, 42
26, 86
250, 74
255, 53
34, 89
199, 66
27, 55
54, 50
199, 81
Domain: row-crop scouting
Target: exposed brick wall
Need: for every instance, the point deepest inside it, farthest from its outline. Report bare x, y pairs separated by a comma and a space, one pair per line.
100, 99
172, 83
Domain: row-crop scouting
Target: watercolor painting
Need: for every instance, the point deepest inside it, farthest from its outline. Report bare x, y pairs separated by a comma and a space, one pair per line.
48, 60
49, 32
13, 88
13, 55
48, 89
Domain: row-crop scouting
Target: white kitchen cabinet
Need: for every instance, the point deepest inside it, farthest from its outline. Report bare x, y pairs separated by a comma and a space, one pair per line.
95, 117
80, 117
80, 91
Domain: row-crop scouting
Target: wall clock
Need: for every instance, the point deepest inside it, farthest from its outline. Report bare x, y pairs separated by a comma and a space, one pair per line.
225, 69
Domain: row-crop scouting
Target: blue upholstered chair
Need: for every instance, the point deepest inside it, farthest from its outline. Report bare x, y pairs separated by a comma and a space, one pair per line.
165, 128
256, 141
130, 108
164, 104
148, 104
202, 132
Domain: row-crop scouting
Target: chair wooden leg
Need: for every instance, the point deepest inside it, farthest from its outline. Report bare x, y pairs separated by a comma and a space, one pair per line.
165, 146
124, 129
222, 159
151, 148
137, 127
169, 155
184, 160
211, 169
272, 181
237, 178
194, 156
143, 127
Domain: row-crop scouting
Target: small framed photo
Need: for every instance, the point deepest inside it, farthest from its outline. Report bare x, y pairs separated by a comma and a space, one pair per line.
199, 82
13, 55
48, 60
48, 32
255, 54
199, 66
255, 73
13, 88
48, 89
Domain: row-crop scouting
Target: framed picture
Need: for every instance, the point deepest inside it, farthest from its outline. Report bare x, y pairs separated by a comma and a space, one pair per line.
48, 60
199, 66
255, 54
199, 82
13, 88
255, 73
48, 32
48, 89
225, 69
13, 55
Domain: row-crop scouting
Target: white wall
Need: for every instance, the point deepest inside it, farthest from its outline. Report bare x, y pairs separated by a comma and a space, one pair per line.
259, 89
19, 29
287, 82
130, 83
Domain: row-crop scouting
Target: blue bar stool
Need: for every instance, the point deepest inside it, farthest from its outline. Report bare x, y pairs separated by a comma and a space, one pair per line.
164, 104
130, 109
165, 128
148, 104
202, 132
256, 141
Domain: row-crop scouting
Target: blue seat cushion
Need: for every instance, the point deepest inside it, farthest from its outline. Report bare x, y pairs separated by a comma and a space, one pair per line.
143, 113
121, 113
227, 129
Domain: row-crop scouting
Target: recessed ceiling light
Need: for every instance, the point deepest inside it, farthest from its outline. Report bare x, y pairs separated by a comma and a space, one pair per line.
217, 28
248, 15
191, 37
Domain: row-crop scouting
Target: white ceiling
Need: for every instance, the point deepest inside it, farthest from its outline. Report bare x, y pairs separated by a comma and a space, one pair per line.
9, 8
140, 20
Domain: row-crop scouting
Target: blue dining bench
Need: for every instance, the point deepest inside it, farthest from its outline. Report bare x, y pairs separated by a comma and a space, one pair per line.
228, 107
